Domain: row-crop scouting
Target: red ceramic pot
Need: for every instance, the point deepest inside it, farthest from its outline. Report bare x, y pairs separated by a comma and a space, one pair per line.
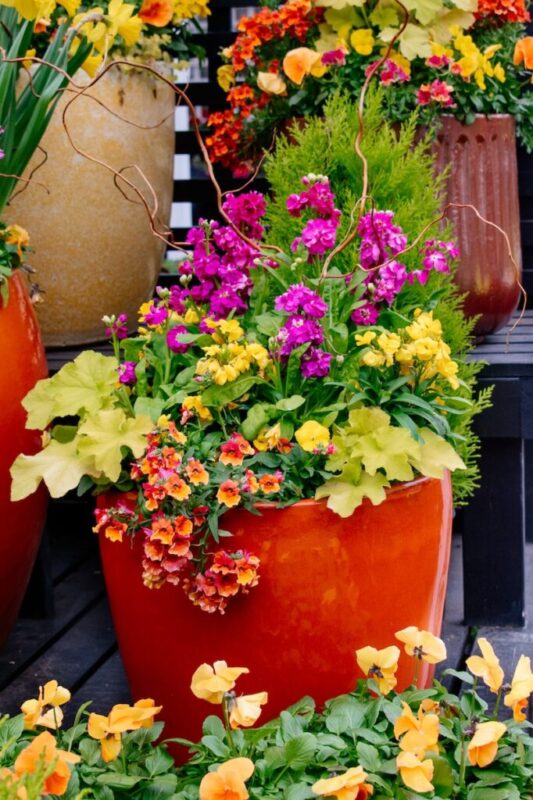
483, 172
22, 364
327, 587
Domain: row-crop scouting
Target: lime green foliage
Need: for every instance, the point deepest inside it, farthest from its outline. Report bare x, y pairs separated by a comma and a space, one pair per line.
401, 178
85, 389
370, 453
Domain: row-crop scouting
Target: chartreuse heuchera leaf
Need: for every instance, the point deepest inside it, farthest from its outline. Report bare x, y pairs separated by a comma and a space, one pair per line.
103, 437
370, 453
58, 465
84, 385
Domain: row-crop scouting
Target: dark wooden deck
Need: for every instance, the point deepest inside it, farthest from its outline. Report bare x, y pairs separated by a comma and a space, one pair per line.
76, 644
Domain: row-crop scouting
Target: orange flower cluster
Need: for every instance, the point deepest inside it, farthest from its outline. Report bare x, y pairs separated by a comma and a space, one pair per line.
227, 575
503, 11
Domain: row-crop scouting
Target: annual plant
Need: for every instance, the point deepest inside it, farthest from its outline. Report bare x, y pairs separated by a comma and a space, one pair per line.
462, 58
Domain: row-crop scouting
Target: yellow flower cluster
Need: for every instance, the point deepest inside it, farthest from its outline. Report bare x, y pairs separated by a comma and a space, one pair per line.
418, 346
186, 9
476, 63
230, 357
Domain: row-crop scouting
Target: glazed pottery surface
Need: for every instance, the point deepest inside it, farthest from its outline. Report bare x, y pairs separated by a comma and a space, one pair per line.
483, 172
23, 363
94, 249
327, 587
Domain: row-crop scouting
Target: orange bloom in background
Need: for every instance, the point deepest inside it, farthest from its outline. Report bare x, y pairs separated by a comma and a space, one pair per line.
122, 718
380, 665
156, 12
523, 52
487, 667
422, 644
521, 688
228, 781
229, 493
233, 451
416, 774
18, 236
246, 710
196, 472
301, 62
271, 83
348, 786
44, 749
51, 694
162, 530
212, 682
269, 484
483, 746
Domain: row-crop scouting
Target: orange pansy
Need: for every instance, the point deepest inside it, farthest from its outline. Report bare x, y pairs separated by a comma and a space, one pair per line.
228, 781
416, 774
422, 644
380, 665
44, 749
212, 682
156, 12
487, 668
348, 786
523, 52
300, 62
483, 746
246, 710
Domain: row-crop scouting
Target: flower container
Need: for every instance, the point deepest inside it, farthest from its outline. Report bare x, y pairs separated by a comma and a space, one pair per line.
483, 172
94, 248
327, 586
23, 363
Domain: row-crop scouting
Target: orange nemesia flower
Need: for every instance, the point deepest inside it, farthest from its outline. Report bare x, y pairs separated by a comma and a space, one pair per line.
422, 644
246, 710
348, 786
488, 668
196, 472
229, 494
416, 774
212, 682
44, 748
380, 665
269, 484
228, 781
483, 746
177, 488
156, 12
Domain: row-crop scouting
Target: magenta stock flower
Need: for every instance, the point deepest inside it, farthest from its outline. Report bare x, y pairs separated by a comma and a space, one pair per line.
299, 298
365, 315
297, 331
156, 315
334, 58
117, 326
315, 363
173, 341
126, 373
318, 236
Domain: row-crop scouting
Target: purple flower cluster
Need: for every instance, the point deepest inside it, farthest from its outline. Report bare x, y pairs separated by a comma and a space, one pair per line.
117, 326
319, 233
305, 307
173, 339
381, 241
126, 373
217, 275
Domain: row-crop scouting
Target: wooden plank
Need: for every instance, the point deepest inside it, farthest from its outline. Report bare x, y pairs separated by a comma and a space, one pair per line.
70, 660
106, 686
454, 632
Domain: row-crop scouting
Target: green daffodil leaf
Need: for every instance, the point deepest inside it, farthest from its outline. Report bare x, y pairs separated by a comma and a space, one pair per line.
104, 436
84, 385
58, 465
344, 497
436, 455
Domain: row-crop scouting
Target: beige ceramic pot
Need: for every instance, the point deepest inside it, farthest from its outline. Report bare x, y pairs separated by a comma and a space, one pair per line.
93, 248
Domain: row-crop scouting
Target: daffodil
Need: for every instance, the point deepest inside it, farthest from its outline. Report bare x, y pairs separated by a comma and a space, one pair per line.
380, 666
483, 746
246, 710
487, 667
312, 436
521, 688
212, 682
422, 645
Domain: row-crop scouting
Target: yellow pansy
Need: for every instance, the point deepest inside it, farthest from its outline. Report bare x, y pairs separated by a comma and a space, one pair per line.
487, 667
246, 710
416, 774
483, 746
271, 83
225, 77
303, 61
51, 696
380, 665
422, 645
350, 785
268, 438
362, 41
212, 682
521, 688
108, 730
312, 436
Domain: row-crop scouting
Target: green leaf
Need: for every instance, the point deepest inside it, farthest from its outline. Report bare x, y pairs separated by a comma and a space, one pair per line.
344, 497
216, 746
344, 714
213, 726
149, 406
368, 757
64, 433
442, 777
60, 466
116, 780
222, 395
290, 403
300, 751
104, 436
258, 416
268, 324
160, 761
298, 791
436, 455
389, 449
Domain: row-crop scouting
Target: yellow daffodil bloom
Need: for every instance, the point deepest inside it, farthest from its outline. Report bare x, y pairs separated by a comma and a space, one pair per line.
122, 21
227, 782
312, 436
187, 9
271, 83
380, 665
122, 718
246, 710
422, 644
362, 41
416, 774
521, 688
483, 746
487, 667
51, 696
212, 682
348, 786
32, 9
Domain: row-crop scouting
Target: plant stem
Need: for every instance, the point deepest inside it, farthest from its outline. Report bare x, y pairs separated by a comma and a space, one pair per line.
497, 705
462, 767
228, 726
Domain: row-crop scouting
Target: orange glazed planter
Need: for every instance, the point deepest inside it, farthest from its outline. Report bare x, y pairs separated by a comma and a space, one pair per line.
327, 587
22, 364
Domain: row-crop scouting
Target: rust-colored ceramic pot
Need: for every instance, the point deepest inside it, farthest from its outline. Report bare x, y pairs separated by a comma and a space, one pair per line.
22, 364
483, 172
327, 587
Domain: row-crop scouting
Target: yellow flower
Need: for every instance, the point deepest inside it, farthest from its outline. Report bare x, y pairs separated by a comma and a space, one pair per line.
420, 734
521, 688
225, 77
483, 746
373, 359
194, 403
31, 9
121, 21
416, 774
212, 682
42, 753
425, 348
187, 9
191, 317
499, 73
92, 64
302, 61
271, 83
380, 665
348, 786
18, 236
258, 353
422, 644
424, 325
51, 694
312, 436
362, 339
246, 710
390, 344
486, 667
362, 41
225, 330
108, 730
268, 438
227, 782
